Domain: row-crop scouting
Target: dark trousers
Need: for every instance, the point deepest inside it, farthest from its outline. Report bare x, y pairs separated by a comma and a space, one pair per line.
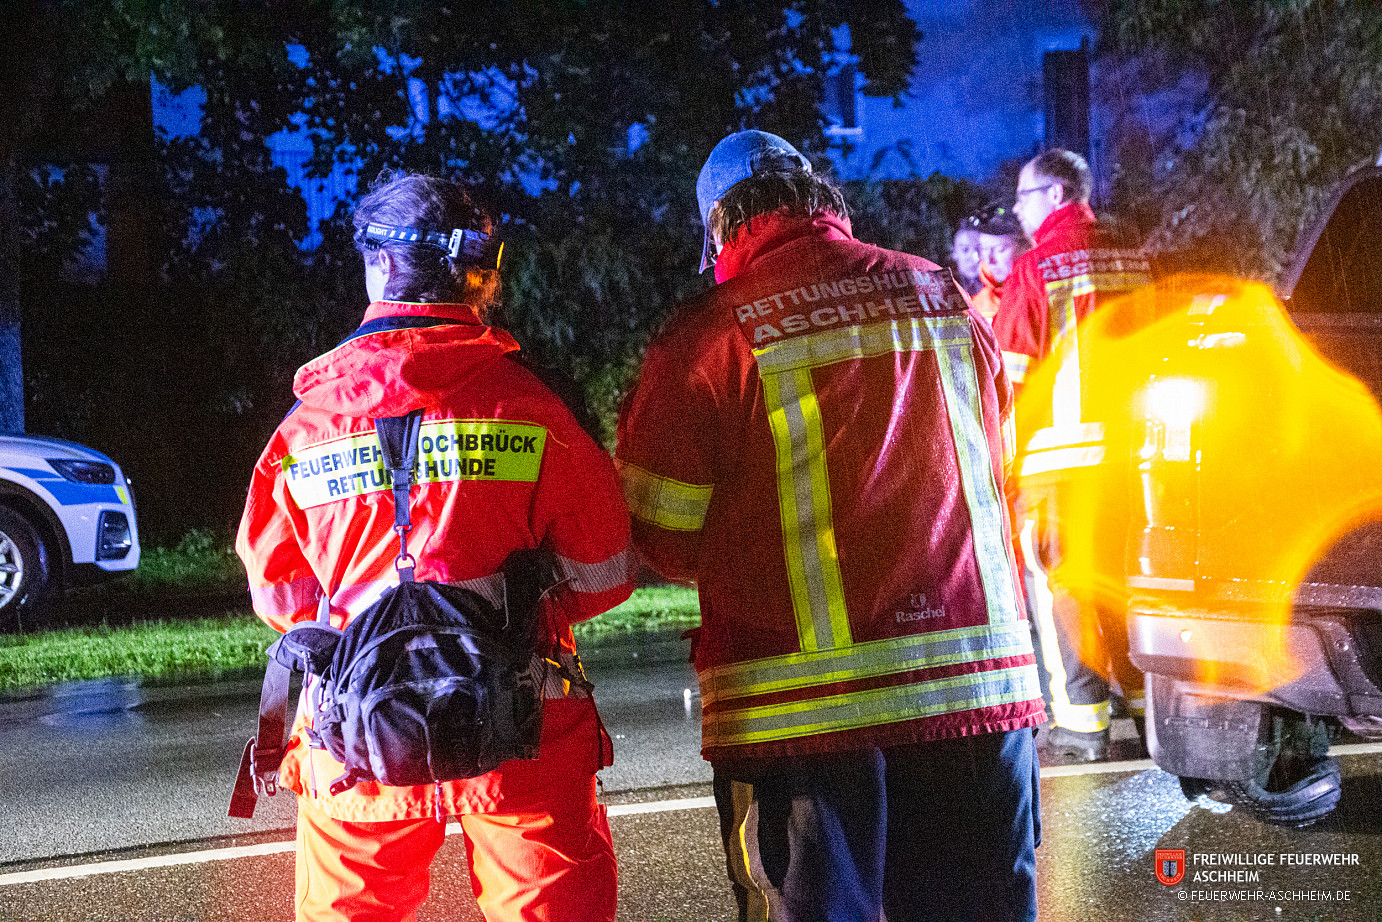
935, 831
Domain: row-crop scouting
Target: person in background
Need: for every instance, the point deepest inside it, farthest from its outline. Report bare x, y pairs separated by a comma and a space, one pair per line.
318, 530
965, 256
1000, 242
1072, 268
818, 443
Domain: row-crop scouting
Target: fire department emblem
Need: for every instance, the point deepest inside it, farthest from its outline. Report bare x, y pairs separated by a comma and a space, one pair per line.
1170, 865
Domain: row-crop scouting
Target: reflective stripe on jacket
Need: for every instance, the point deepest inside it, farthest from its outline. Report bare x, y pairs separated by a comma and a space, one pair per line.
1052, 288
502, 465
817, 443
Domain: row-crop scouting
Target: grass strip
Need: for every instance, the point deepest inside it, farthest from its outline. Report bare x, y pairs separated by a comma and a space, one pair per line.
205, 648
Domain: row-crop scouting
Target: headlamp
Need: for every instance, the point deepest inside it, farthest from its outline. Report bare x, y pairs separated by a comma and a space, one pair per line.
472, 247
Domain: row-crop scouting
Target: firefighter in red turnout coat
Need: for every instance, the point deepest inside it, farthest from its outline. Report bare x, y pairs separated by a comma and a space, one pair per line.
817, 443
1073, 268
502, 465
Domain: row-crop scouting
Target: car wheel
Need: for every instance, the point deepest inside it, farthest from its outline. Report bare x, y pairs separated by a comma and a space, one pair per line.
25, 574
1195, 788
1293, 791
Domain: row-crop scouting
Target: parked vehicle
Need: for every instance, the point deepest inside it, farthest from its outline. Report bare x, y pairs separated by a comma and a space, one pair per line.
1242, 434
66, 519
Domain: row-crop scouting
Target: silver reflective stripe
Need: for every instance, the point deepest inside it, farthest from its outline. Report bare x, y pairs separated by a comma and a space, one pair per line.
863, 660
490, 588
286, 598
992, 547
610, 573
871, 708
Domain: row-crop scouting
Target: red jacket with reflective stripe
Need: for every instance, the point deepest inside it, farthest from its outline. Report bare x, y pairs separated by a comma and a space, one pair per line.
502, 465
816, 442
1058, 283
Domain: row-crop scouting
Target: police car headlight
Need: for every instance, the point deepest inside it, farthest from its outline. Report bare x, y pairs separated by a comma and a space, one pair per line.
1176, 402
83, 471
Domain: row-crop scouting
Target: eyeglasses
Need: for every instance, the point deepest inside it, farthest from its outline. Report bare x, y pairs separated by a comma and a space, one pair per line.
1022, 192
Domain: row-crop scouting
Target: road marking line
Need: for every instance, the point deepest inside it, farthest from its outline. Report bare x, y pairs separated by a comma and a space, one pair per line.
1096, 768
656, 806
275, 848
662, 806
144, 864
1355, 749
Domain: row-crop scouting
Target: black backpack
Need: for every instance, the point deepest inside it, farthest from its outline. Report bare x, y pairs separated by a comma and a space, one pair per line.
431, 683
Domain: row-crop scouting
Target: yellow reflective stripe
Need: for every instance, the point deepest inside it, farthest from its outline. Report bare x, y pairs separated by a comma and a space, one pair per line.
983, 496
1009, 440
1082, 718
662, 501
808, 528
1015, 364
1066, 436
1061, 459
448, 450
863, 660
1060, 305
872, 707
1068, 715
914, 334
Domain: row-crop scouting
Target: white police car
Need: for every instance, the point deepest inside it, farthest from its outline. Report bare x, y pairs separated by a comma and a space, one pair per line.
66, 518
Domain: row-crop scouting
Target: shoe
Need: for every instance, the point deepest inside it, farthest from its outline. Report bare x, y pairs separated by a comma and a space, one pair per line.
1072, 744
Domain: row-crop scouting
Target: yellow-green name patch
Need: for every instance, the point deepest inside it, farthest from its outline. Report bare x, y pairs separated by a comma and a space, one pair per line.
448, 450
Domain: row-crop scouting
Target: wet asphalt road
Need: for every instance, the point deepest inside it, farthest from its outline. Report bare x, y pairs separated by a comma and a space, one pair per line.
111, 773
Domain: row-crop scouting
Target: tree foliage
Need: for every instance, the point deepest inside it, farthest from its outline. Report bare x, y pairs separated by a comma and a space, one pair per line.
1292, 103
582, 123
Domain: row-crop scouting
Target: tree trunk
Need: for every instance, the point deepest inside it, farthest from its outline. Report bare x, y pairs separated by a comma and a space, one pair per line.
11, 364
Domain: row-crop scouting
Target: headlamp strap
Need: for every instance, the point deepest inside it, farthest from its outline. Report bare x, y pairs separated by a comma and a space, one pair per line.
473, 246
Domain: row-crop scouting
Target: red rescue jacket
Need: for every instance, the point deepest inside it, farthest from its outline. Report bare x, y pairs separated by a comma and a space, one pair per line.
816, 442
1058, 283
502, 465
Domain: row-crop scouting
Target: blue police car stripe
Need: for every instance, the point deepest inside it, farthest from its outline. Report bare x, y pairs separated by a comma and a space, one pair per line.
68, 493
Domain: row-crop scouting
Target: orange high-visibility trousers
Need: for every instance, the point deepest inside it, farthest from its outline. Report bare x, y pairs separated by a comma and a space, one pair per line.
554, 866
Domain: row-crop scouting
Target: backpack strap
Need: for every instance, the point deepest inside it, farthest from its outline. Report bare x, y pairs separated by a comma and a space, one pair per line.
398, 440
308, 648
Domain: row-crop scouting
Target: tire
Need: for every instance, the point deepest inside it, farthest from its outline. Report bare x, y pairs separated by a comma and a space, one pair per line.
1293, 792
1195, 788
25, 572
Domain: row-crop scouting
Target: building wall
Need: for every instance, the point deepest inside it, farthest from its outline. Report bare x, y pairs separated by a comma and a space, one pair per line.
976, 100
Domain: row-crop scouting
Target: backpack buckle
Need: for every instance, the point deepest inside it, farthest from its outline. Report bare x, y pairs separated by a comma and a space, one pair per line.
265, 778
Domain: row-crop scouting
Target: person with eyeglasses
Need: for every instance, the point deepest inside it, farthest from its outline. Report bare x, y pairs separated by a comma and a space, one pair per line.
1073, 267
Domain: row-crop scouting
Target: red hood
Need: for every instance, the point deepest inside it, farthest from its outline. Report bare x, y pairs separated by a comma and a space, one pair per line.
390, 372
767, 232
1070, 213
